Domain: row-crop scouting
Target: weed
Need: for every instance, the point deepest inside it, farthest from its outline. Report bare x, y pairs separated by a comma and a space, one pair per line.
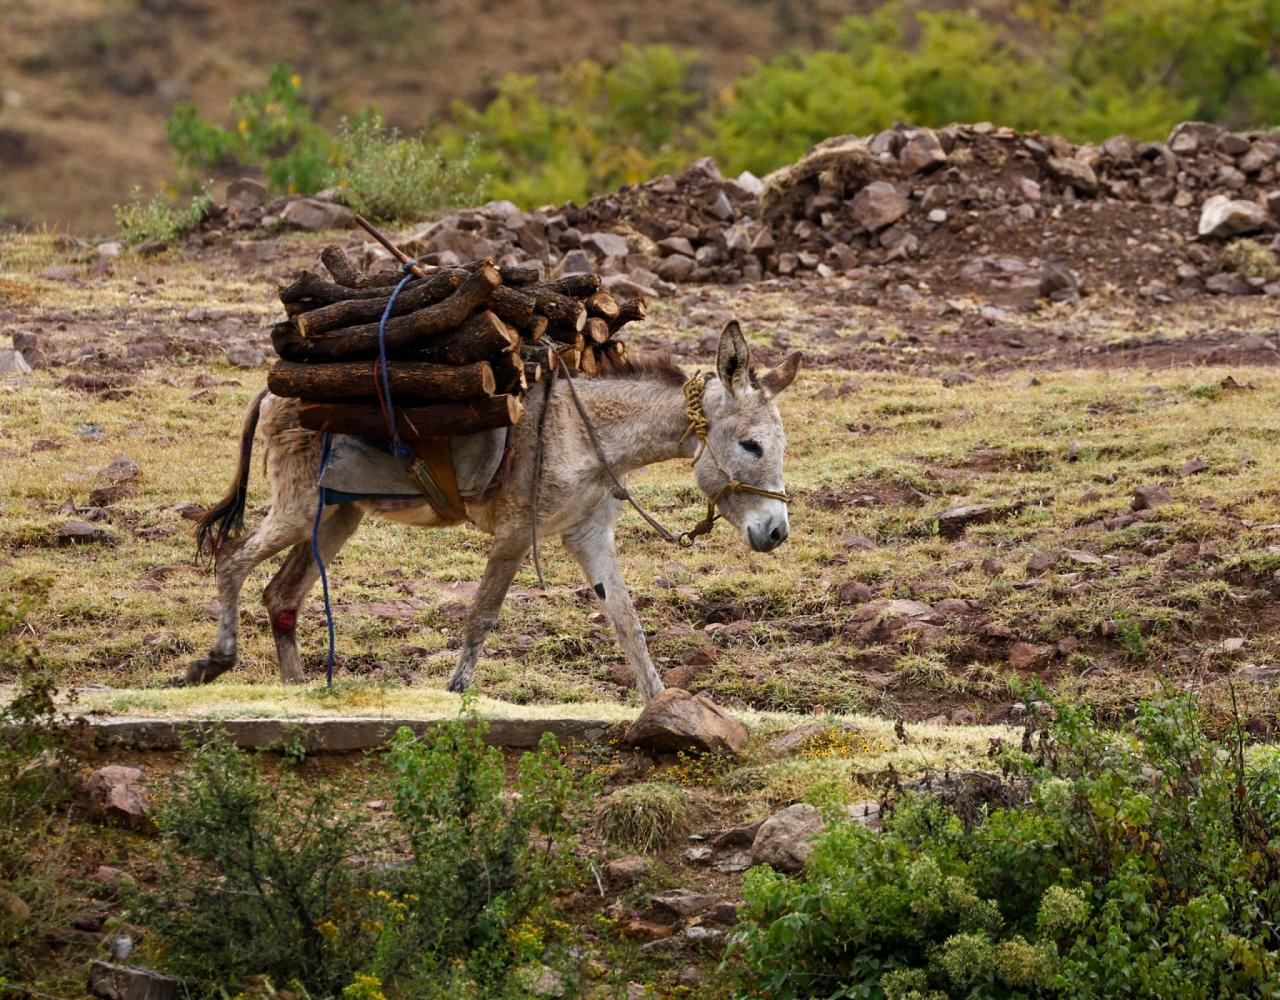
143, 219
1253, 260
645, 817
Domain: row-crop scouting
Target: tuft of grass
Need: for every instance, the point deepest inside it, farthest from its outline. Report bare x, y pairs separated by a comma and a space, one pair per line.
1251, 259
645, 817
157, 218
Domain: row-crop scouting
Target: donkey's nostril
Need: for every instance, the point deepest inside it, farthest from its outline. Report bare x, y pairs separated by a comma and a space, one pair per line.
775, 535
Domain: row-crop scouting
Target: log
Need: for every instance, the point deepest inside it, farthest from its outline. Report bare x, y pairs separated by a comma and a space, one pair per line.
596, 330
309, 285
563, 338
536, 330
403, 332
482, 336
513, 305
532, 372
414, 422
508, 373
541, 354
521, 274
410, 380
604, 305
576, 286
354, 312
339, 266
562, 310
587, 363
629, 311
569, 356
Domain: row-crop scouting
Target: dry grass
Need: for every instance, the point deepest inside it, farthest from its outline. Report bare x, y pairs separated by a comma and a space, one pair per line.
870, 470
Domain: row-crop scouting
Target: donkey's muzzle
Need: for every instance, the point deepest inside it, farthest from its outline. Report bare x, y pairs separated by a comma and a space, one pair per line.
770, 536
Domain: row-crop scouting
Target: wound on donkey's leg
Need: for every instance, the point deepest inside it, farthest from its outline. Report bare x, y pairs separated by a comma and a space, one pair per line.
284, 621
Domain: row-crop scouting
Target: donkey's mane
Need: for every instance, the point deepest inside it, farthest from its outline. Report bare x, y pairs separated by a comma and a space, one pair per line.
656, 366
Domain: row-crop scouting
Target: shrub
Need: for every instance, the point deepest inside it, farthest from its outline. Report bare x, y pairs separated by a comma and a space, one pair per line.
141, 219
1142, 866
386, 175
645, 817
1253, 260
267, 877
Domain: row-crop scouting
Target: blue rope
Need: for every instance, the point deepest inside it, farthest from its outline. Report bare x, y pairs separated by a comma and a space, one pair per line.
397, 446
315, 554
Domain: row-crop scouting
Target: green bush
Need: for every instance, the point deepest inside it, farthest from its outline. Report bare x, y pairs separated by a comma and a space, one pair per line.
266, 877
34, 780
587, 129
386, 175
157, 218
1144, 865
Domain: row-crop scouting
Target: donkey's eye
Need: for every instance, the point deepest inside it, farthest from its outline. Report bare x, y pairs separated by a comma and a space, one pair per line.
752, 448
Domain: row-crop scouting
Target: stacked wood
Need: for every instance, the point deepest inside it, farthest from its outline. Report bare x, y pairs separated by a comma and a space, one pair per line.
462, 344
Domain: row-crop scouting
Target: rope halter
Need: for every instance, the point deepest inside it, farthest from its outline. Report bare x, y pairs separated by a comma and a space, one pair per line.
700, 427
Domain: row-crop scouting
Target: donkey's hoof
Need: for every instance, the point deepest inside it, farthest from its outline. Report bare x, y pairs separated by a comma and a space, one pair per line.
457, 685
208, 669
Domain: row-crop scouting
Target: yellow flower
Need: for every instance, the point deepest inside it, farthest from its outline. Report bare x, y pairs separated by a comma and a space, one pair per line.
296, 80
243, 125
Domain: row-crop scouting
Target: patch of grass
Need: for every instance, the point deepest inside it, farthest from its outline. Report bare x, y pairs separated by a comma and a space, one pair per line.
1252, 259
645, 817
143, 219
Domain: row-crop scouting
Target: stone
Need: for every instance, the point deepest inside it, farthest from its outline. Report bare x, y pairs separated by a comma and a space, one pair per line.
245, 356
682, 902
313, 215
117, 792
866, 814
676, 720
13, 363
1076, 173
548, 984
576, 261
721, 208
605, 244
676, 245
1028, 655
1148, 497
1223, 217
1058, 282
77, 532
109, 249
14, 910
852, 593
991, 566
245, 195
749, 183
1189, 137
785, 839
118, 480
152, 248
1273, 202
878, 205
627, 286
628, 870
676, 268
953, 520
1041, 562
131, 982
922, 151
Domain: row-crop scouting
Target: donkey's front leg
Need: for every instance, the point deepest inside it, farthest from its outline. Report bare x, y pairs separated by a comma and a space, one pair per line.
592, 545
504, 559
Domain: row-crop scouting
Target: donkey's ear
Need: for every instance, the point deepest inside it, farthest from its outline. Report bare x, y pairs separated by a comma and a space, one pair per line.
733, 358
777, 379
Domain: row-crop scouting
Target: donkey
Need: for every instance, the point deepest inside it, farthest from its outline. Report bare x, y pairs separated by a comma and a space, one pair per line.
641, 416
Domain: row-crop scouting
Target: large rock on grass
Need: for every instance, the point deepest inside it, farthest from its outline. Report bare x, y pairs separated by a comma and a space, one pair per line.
785, 840
677, 720
117, 792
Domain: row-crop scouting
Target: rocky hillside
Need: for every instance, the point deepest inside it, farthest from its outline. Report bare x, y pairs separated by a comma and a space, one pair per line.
86, 85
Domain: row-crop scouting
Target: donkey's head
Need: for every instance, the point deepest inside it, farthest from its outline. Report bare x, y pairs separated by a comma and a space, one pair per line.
745, 443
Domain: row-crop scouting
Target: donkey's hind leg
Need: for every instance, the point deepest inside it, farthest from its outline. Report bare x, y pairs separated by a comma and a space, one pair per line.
288, 589
280, 529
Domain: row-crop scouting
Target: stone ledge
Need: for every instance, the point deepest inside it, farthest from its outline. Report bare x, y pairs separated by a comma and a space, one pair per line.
321, 735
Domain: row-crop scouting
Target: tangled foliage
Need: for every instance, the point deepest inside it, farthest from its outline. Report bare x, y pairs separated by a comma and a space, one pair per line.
1085, 68
269, 878
1144, 865
385, 174
157, 218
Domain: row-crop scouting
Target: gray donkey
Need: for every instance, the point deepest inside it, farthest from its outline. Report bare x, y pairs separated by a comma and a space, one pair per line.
642, 413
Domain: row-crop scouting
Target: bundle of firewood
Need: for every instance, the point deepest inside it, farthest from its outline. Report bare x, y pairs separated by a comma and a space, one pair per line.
463, 344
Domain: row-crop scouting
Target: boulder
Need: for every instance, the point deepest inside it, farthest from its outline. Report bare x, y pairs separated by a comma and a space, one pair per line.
575, 261
245, 195
245, 356
682, 902
785, 839
628, 870
131, 982
312, 215
77, 532
1029, 655
922, 151
1076, 173
1147, 497
118, 480
677, 267
677, 720
117, 792
13, 363
878, 205
1223, 217
605, 244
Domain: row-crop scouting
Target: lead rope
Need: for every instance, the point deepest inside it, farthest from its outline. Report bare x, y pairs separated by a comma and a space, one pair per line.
382, 388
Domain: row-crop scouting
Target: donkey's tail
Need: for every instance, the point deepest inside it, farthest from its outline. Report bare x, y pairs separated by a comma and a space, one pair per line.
226, 517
